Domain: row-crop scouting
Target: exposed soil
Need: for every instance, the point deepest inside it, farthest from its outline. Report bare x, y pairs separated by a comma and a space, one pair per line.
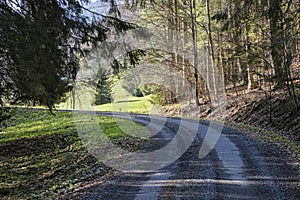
278, 114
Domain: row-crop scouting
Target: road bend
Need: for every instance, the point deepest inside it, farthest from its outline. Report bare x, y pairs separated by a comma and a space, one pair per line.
235, 168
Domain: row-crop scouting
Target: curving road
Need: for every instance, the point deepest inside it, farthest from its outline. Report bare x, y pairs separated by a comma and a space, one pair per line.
236, 167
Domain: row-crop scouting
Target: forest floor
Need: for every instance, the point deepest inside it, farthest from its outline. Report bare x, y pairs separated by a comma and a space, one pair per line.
43, 156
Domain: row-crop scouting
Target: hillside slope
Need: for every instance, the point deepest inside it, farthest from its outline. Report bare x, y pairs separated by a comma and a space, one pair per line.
278, 114
250, 113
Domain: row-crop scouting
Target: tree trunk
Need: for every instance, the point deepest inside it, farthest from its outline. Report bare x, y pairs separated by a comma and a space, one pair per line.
275, 31
73, 101
195, 54
212, 54
221, 50
251, 83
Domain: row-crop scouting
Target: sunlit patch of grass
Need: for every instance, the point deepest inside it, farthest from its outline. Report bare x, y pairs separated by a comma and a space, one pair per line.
132, 105
36, 124
42, 155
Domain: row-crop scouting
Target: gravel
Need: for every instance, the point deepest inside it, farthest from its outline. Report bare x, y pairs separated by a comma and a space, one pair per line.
264, 172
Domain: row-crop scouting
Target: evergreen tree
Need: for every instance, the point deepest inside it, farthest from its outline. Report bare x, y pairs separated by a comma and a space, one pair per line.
41, 42
103, 94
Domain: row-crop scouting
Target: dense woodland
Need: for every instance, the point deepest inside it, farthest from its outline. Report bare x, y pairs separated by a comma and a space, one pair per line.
249, 43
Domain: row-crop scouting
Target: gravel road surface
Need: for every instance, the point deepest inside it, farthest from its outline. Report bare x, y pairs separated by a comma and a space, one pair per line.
235, 168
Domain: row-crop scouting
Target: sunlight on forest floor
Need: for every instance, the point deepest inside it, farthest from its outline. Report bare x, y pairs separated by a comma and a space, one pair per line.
42, 154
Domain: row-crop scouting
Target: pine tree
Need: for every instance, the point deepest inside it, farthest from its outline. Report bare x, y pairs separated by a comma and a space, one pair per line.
41, 44
103, 94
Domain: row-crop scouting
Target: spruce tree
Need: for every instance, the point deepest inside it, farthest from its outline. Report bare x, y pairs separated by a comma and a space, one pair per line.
104, 90
41, 44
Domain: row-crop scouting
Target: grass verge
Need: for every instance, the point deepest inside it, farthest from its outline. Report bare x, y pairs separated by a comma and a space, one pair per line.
42, 156
291, 147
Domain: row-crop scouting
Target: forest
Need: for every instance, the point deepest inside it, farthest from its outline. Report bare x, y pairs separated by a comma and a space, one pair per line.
242, 43
235, 60
214, 45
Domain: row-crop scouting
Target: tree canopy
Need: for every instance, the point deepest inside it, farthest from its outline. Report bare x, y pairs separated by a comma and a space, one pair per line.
41, 42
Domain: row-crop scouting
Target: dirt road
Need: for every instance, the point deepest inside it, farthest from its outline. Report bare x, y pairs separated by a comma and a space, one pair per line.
236, 168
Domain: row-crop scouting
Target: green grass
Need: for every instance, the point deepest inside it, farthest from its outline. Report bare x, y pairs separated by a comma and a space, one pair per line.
290, 146
130, 104
123, 100
42, 156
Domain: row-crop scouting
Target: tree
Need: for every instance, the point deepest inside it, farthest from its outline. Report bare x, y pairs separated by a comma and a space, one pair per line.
103, 89
193, 15
41, 42
276, 38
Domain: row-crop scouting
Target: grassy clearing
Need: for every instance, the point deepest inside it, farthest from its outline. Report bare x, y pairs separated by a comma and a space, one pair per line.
42, 156
131, 104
